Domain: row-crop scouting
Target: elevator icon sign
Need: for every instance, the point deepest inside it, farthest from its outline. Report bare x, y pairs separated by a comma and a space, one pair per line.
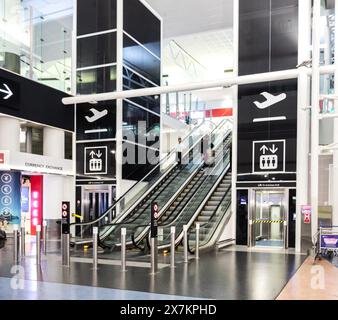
95, 160
268, 156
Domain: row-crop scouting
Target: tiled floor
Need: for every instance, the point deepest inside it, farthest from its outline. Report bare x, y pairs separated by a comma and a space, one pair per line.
12, 289
313, 281
224, 274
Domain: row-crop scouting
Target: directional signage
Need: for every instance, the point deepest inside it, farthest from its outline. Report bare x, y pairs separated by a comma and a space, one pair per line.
95, 122
268, 156
267, 111
32, 101
267, 129
9, 93
95, 160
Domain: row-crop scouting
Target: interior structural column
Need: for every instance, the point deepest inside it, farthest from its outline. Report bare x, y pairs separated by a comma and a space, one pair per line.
54, 143
9, 134
304, 41
335, 132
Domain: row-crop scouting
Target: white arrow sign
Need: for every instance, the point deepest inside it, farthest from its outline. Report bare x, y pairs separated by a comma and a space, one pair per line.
264, 149
99, 154
8, 92
92, 154
274, 149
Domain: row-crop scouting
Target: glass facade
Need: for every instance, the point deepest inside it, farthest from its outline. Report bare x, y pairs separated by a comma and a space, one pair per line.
93, 51
37, 44
95, 16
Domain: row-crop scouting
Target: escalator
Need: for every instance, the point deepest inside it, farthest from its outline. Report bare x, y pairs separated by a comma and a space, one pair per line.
208, 205
163, 183
184, 181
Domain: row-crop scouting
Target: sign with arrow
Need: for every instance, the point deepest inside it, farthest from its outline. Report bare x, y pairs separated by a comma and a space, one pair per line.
95, 160
268, 156
9, 93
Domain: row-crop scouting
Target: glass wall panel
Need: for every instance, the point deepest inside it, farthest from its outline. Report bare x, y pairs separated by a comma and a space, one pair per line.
98, 50
95, 16
140, 60
96, 80
143, 25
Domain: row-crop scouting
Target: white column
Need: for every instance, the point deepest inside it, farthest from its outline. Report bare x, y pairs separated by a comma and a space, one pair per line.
315, 114
119, 102
235, 114
335, 131
54, 143
303, 138
9, 134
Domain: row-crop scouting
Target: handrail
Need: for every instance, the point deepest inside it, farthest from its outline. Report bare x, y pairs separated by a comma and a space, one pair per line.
175, 218
171, 153
131, 220
197, 190
214, 213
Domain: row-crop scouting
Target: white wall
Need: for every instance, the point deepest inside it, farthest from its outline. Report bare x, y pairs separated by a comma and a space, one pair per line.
55, 190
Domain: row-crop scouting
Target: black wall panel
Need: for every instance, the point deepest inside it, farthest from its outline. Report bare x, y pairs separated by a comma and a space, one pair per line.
98, 50
95, 16
143, 25
140, 60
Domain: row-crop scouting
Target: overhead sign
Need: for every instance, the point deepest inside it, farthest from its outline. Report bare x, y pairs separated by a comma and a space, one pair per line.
9, 93
268, 156
95, 160
29, 100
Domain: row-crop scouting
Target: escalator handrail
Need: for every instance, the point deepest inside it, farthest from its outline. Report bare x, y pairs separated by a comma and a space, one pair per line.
178, 236
171, 153
132, 219
143, 234
213, 231
198, 189
125, 223
217, 208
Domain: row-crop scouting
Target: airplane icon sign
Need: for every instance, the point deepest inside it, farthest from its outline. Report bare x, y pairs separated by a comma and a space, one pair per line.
270, 100
96, 115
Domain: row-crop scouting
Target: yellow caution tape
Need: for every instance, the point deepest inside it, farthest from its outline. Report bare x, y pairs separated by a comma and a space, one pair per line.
76, 215
268, 221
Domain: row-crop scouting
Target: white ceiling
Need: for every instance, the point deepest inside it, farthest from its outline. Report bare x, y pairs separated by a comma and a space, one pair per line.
193, 16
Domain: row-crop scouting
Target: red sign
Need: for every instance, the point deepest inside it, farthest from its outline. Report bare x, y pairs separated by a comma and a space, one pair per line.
36, 202
2, 158
306, 213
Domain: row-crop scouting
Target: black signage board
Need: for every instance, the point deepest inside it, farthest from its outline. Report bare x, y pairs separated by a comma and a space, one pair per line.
65, 220
267, 112
267, 128
29, 100
96, 160
96, 121
9, 94
154, 216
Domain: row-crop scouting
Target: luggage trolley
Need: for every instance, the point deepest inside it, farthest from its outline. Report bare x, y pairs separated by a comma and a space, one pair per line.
327, 242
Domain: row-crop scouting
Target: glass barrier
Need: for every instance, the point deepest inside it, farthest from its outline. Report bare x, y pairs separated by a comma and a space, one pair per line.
37, 45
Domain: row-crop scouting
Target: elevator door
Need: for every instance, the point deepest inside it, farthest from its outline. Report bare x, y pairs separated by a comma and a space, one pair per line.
95, 204
269, 215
